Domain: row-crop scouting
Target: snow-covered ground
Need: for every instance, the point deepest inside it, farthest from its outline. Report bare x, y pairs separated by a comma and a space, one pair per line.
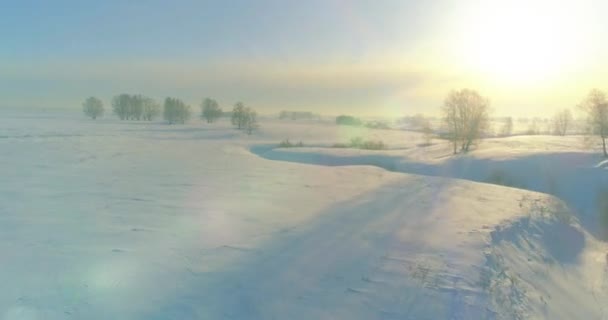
130, 220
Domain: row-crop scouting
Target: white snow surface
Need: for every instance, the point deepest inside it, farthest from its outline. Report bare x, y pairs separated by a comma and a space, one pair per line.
131, 220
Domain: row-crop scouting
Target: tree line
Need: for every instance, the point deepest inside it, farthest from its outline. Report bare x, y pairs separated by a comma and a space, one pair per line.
174, 110
466, 113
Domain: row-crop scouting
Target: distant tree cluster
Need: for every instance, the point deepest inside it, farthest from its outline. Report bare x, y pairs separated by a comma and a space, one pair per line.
135, 107
298, 115
415, 122
466, 115
244, 118
288, 144
139, 107
346, 120
93, 108
210, 110
176, 111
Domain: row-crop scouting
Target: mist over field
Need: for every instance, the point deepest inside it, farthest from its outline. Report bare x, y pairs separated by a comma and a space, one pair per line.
303, 160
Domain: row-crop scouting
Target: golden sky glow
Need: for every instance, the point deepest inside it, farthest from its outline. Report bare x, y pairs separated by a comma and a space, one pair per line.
387, 57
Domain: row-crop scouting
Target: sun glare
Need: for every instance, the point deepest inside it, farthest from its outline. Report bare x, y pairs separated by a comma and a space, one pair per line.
522, 41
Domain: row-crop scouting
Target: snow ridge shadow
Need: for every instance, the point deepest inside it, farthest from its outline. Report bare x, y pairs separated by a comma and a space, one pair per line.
570, 176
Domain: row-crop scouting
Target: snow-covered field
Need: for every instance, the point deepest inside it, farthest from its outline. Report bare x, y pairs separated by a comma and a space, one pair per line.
130, 220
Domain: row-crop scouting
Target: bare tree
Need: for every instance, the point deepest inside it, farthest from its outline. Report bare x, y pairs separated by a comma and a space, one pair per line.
151, 109
210, 110
93, 107
561, 121
244, 118
466, 114
238, 115
136, 107
250, 120
176, 111
595, 106
120, 105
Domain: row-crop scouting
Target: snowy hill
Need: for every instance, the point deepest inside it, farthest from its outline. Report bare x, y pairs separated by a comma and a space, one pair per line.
128, 220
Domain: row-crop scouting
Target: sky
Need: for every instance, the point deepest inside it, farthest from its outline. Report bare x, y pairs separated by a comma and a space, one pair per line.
374, 57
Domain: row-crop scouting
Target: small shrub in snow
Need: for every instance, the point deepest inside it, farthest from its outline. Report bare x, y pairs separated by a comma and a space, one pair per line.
373, 145
298, 115
340, 145
359, 143
377, 125
287, 144
348, 120
356, 142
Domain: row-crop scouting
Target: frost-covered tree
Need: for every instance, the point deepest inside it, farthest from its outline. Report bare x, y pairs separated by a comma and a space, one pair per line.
151, 109
93, 108
244, 118
595, 106
121, 106
238, 115
561, 122
176, 111
250, 120
136, 107
210, 110
466, 115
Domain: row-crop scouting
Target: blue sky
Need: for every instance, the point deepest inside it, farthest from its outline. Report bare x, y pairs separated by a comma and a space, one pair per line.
331, 56
204, 29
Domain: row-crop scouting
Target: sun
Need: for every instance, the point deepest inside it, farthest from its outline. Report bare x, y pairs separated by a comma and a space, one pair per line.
519, 41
